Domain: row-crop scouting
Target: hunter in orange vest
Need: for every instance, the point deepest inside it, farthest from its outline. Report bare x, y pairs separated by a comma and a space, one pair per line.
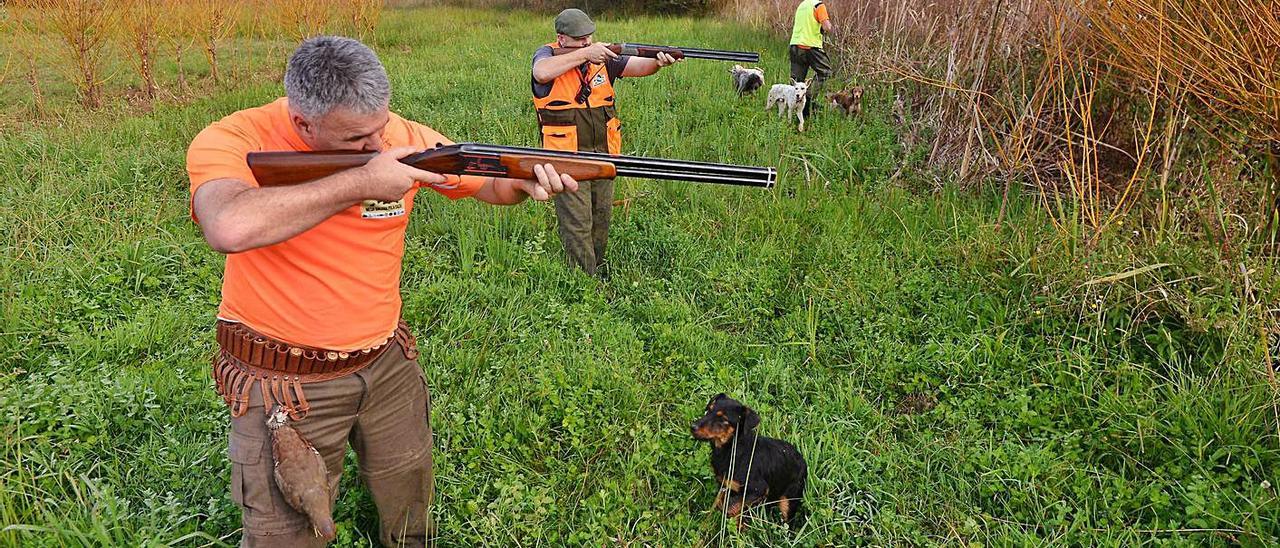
574, 98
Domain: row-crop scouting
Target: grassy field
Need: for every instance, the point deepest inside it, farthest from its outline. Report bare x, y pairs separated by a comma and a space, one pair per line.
1108, 394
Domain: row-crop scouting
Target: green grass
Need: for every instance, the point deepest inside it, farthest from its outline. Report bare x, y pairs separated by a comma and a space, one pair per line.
1123, 412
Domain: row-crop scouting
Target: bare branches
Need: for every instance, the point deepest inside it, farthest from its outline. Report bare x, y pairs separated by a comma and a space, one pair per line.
80, 38
139, 30
83, 27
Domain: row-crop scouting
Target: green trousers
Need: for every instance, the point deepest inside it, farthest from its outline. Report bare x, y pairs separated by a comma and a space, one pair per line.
813, 58
583, 218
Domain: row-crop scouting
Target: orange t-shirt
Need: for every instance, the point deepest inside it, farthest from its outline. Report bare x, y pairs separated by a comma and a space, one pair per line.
335, 286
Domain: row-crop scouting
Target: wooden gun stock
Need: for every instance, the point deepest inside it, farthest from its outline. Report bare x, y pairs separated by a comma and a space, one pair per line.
520, 166
291, 168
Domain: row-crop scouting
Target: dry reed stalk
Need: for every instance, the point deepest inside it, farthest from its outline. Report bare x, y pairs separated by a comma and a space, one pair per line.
33, 79
179, 33
212, 22
24, 23
140, 30
365, 15
1099, 201
83, 27
266, 20
253, 26
8, 65
1229, 50
302, 19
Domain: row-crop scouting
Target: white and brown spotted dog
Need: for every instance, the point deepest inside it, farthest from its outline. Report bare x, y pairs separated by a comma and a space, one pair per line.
789, 97
849, 100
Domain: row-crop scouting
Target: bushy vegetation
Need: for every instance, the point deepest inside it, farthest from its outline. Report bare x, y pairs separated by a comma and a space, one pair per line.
89, 43
1167, 109
955, 367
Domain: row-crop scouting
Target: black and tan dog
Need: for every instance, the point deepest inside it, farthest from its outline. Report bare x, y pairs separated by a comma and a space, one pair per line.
751, 469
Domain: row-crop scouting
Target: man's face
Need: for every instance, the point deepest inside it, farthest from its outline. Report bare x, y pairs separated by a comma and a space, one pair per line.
567, 41
343, 129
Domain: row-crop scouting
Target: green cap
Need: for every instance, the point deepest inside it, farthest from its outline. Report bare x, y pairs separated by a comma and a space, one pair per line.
574, 22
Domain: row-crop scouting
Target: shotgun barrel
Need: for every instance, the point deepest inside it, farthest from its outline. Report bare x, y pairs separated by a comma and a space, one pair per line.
651, 50
287, 168
698, 53
652, 168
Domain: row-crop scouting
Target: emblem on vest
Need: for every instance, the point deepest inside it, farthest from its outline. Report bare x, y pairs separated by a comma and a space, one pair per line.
597, 81
374, 209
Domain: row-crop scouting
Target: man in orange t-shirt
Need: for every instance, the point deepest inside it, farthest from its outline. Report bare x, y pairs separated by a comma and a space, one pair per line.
309, 323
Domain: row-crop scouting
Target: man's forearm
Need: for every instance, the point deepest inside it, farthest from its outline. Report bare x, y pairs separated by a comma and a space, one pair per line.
550, 68
640, 66
501, 191
256, 217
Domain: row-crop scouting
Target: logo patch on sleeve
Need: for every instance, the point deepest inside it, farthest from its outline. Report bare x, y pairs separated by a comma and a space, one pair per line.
597, 81
374, 209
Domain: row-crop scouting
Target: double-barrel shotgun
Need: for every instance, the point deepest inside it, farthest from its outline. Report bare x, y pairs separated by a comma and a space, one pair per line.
288, 168
650, 50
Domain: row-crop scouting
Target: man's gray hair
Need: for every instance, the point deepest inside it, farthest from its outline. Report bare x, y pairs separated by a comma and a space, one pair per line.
326, 72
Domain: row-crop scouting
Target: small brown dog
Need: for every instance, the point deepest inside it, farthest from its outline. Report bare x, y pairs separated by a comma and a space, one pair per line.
849, 100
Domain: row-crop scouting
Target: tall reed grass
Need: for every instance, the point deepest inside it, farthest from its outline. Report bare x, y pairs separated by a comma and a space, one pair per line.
1098, 105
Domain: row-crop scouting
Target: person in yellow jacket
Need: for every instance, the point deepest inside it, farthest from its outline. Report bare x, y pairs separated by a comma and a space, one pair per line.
574, 98
811, 22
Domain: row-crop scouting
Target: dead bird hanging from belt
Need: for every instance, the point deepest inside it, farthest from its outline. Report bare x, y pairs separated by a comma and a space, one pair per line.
300, 473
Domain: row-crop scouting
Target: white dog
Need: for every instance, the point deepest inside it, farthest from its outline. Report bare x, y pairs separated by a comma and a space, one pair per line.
789, 97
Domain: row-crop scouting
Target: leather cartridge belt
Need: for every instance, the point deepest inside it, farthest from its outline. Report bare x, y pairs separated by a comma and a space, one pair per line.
246, 356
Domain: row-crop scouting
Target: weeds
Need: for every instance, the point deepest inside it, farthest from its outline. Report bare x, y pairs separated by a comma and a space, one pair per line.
949, 380
1000, 87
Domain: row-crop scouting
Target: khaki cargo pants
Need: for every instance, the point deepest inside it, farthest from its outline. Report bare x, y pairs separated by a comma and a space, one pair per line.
384, 411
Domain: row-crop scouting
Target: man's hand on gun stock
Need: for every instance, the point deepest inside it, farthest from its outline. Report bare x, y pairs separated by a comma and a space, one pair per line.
598, 53
388, 179
548, 184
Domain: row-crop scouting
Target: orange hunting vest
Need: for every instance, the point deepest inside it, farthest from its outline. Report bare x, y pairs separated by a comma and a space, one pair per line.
589, 126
